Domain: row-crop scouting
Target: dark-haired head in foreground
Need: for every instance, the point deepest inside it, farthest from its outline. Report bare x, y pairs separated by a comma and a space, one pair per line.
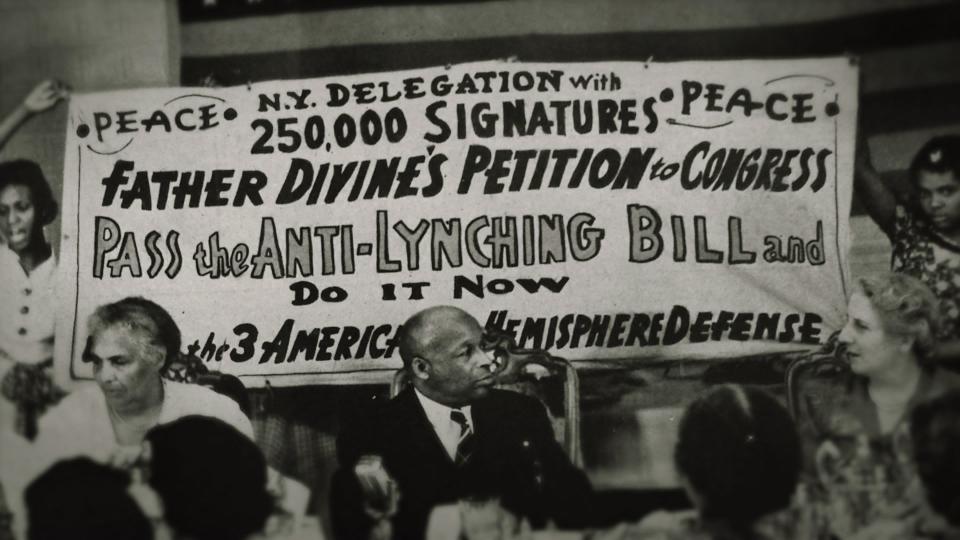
211, 478
83, 500
935, 430
739, 453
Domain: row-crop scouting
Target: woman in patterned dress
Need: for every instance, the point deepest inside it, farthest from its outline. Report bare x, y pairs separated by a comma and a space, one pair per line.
924, 229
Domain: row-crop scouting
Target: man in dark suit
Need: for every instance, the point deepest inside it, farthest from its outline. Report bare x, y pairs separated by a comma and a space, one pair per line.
449, 436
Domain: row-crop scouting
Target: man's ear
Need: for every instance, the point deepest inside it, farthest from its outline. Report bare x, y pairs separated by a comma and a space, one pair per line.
420, 368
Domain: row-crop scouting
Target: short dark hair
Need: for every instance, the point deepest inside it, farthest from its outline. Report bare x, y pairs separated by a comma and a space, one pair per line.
739, 449
408, 343
142, 315
211, 478
935, 431
83, 500
940, 154
23, 172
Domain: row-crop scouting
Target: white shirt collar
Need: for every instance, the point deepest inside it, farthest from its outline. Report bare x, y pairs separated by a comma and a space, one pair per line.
439, 416
42, 273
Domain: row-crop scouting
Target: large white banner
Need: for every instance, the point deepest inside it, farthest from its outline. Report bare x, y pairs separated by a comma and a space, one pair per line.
602, 210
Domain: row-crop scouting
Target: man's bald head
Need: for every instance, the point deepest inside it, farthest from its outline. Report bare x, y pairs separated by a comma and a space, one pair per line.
442, 351
420, 330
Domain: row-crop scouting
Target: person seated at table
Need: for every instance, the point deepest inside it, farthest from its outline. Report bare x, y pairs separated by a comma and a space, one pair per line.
855, 424
451, 436
738, 458
130, 341
80, 499
924, 229
210, 478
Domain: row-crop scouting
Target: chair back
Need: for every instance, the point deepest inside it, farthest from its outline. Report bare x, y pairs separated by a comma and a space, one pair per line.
400, 381
230, 386
826, 361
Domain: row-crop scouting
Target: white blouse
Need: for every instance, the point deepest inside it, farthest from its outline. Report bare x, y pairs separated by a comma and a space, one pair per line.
27, 309
80, 424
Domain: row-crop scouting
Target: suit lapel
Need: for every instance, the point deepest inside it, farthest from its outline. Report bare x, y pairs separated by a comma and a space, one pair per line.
486, 426
417, 429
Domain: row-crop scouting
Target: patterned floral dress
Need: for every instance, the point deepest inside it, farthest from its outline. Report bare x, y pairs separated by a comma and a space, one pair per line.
860, 476
922, 252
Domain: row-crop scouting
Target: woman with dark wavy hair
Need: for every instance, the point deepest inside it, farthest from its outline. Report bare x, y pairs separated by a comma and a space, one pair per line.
27, 265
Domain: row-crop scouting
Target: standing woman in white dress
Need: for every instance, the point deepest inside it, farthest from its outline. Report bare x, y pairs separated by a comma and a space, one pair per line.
27, 264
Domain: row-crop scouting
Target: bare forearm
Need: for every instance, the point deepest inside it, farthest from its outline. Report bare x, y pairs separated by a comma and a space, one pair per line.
12, 121
879, 200
44, 95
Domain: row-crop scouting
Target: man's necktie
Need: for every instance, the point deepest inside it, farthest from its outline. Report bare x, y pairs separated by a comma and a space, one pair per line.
465, 445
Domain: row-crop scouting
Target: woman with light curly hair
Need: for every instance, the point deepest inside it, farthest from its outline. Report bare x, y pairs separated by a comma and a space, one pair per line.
856, 423
892, 321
